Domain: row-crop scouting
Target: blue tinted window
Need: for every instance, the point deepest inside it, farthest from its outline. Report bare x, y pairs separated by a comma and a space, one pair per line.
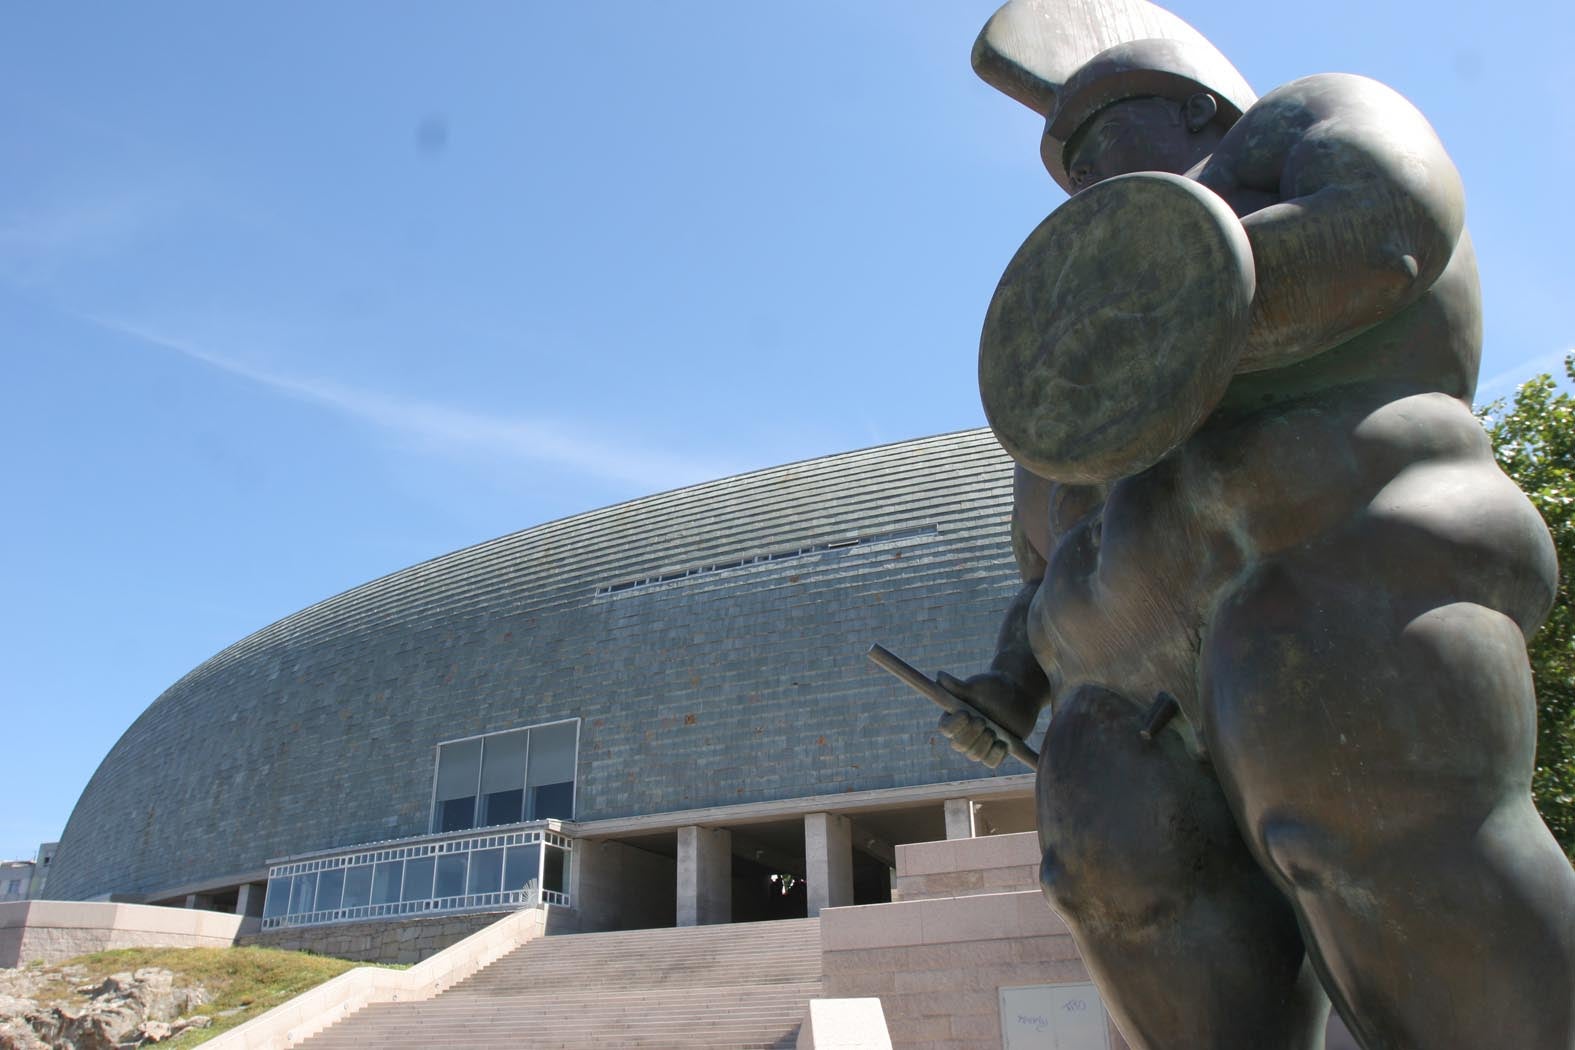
450, 875
522, 865
277, 902
418, 879
385, 882
303, 893
486, 871
358, 886
330, 884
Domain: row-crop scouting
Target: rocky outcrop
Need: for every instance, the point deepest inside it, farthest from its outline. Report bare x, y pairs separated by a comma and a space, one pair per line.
124, 1010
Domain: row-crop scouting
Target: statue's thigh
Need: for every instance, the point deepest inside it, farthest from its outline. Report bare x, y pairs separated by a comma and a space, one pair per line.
1189, 941
1344, 718
1127, 825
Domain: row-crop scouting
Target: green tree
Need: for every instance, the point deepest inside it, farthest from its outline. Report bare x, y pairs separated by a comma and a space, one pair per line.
1534, 441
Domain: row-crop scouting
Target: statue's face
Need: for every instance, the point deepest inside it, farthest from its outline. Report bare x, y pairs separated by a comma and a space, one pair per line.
1137, 134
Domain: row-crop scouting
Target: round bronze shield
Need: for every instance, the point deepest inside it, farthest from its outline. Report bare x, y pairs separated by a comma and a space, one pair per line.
1116, 328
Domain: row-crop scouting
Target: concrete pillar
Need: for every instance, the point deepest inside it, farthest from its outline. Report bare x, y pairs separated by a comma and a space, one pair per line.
249, 899
193, 900
959, 818
705, 876
828, 861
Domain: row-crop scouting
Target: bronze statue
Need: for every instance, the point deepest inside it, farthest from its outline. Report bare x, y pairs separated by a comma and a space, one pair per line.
1276, 591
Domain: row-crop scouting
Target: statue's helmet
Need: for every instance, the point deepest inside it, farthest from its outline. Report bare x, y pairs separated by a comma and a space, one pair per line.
1152, 68
1069, 59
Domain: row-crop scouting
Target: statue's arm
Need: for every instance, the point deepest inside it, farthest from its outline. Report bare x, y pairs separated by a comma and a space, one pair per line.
1369, 210
1011, 693
1015, 688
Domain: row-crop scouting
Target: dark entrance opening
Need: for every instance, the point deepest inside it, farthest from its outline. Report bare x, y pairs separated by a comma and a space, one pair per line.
762, 893
871, 879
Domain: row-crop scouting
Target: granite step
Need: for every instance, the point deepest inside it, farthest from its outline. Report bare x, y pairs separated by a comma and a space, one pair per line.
744, 985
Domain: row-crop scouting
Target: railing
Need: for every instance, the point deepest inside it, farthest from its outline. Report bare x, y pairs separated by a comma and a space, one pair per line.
501, 869
527, 898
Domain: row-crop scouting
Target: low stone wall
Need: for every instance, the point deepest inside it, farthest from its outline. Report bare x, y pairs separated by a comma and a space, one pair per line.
960, 867
938, 965
395, 940
50, 931
378, 940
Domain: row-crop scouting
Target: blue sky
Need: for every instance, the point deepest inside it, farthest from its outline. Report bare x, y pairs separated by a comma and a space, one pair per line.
294, 295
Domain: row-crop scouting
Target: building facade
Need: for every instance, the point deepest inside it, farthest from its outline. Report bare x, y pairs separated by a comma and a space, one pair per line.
671, 692
16, 878
43, 860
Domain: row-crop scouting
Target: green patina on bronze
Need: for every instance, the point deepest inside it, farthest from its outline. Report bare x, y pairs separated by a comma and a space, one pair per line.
1116, 327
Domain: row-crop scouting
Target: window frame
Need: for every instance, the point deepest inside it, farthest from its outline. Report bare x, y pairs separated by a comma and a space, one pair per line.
476, 811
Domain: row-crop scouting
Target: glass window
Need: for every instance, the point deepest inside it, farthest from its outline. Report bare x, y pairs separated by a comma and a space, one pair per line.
506, 778
503, 778
553, 877
385, 881
455, 814
522, 865
277, 901
303, 891
418, 879
502, 807
458, 774
552, 801
450, 875
549, 775
330, 886
486, 871
358, 886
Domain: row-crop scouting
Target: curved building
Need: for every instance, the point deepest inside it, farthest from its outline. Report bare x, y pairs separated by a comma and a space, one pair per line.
678, 681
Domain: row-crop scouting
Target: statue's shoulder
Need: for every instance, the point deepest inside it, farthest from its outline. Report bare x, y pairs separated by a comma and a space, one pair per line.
1332, 105
1331, 128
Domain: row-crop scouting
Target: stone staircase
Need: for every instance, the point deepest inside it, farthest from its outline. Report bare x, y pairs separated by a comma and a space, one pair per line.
743, 985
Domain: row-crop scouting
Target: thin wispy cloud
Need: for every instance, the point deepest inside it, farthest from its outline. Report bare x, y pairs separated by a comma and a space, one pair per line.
36, 243
1504, 382
452, 431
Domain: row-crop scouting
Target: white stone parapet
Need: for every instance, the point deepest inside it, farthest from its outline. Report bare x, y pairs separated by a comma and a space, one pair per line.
50, 931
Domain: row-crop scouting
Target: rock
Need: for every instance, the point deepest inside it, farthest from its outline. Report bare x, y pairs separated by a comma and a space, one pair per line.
17, 1034
153, 1032
125, 1010
104, 1025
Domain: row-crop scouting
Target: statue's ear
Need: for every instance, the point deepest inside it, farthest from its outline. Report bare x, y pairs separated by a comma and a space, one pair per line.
1199, 110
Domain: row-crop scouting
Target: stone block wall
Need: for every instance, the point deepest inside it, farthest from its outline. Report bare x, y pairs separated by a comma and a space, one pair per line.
961, 867
377, 941
619, 887
938, 965
49, 931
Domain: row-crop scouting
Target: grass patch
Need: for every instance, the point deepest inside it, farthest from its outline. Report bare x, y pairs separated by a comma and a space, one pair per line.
241, 982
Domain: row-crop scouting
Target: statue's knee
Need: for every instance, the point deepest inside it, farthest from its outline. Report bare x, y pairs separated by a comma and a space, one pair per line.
1102, 893
1299, 852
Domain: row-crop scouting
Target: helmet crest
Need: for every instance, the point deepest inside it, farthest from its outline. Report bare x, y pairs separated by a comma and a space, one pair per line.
1068, 59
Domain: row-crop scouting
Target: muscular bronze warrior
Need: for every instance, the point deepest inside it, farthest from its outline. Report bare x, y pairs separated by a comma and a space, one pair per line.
1249, 479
